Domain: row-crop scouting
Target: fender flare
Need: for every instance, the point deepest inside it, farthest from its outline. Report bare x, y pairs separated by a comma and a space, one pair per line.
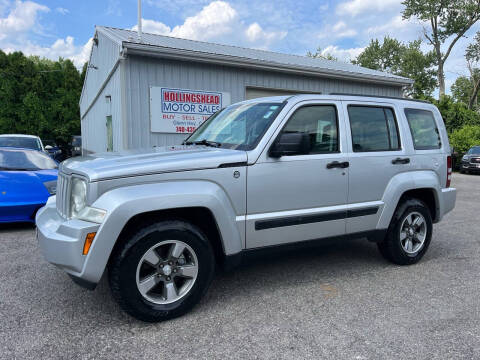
401, 183
124, 203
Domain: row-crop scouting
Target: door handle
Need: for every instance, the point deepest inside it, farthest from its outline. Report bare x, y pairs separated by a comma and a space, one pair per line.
398, 161
337, 164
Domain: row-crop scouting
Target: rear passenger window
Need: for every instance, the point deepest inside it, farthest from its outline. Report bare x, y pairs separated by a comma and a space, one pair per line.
320, 123
424, 129
373, 129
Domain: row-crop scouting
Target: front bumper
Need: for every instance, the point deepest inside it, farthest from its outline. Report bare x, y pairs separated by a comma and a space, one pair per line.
470, 166
61, 241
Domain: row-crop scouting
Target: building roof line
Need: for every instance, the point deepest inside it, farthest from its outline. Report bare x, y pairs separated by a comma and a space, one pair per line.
160, 45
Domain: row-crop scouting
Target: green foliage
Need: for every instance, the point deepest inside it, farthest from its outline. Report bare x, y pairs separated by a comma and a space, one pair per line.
461, 89
39, 97
456, 114
401, 59
448, 21
319, 54
464, 138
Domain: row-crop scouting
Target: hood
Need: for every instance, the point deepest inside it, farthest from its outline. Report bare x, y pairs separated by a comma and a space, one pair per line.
25, 186
151, 161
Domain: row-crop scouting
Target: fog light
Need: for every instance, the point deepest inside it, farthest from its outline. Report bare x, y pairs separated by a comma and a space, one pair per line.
88, 242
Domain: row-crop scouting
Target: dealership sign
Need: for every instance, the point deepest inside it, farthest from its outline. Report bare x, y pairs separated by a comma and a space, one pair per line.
181, 111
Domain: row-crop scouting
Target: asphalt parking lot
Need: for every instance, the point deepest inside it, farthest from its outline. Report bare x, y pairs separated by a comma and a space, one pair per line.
339, 301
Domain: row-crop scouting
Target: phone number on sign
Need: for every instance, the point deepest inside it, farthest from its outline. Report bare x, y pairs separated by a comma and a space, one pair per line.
185, 129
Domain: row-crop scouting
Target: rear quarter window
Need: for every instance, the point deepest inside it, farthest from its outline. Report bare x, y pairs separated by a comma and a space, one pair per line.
424, 129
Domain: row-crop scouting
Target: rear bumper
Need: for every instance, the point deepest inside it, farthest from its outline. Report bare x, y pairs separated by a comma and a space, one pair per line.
61, 242
448, 199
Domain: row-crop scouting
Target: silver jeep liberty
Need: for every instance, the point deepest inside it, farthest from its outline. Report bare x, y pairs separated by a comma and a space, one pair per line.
264, 172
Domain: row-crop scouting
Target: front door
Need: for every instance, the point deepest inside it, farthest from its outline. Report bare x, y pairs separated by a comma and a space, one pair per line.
300, 197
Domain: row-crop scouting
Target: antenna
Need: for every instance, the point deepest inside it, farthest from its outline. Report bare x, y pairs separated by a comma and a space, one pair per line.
140, 21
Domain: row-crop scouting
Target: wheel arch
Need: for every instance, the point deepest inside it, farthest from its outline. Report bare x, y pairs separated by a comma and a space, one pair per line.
180, 199
422, 185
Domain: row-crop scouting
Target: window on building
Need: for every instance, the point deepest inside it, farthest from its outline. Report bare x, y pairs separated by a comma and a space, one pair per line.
424, 129
320, 123
373, 129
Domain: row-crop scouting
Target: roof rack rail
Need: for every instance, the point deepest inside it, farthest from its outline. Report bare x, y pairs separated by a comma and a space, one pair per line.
382, 97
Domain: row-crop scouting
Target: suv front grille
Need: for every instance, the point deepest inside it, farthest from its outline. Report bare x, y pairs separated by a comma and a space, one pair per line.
63, 195
475, 160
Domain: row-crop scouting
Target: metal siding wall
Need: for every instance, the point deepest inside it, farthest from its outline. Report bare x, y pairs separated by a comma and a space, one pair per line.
103, 57
94, 132
143, 72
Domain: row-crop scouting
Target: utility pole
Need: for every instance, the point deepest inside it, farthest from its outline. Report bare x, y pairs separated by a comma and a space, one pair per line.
140, 20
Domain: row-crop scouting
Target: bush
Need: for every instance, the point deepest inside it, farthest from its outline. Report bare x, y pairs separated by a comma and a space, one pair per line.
466, 137
456, 114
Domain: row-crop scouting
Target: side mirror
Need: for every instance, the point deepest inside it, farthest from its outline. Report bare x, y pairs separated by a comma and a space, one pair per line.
290, 144
48, 147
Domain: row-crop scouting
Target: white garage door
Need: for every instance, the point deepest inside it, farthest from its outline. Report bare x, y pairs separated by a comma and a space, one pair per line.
253, 93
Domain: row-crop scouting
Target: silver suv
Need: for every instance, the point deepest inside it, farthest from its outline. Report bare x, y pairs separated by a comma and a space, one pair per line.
257, 174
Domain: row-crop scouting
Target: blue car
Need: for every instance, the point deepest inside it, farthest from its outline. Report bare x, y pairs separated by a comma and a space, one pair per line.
27, 178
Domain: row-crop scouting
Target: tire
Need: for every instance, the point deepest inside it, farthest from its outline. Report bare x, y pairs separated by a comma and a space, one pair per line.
462, 171
131, 268
408, 250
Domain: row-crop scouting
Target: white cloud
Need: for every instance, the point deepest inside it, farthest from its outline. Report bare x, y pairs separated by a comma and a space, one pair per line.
356, 7
22, 18
64, 48
342, 30
153, 27
255, 33
343, 54
62, 10
217, 21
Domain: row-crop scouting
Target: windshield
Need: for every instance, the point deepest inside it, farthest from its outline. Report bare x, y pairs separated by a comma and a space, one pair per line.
239, 126
27, 160
475, 150
20, 142
77, 141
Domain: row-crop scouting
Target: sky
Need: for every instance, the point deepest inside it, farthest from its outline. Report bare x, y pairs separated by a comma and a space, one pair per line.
53, 28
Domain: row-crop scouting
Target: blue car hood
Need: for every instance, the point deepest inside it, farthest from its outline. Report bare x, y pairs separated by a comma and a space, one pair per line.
25, 186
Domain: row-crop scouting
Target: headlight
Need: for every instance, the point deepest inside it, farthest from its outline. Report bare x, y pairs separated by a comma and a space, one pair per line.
78, 203
465, 157
51, 186
78, 197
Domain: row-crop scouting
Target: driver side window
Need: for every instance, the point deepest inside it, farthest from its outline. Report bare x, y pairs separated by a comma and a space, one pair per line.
319, 122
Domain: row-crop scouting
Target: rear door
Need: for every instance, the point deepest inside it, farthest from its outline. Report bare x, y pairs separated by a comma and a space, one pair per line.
377, 153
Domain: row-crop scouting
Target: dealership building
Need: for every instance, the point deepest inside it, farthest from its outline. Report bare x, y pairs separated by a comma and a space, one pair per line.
154, 90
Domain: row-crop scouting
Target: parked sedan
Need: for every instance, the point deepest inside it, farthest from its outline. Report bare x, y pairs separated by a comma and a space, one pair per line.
471, 160
21, 141
27, 179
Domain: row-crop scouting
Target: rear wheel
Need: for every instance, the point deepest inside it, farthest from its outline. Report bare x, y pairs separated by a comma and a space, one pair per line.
409, 234
162, 270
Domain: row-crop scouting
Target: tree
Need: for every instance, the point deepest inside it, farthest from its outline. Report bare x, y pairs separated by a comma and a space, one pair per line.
456, 114
466, 137
39, 97
473, 57
320, 54
448, 21
461, 89
401, 59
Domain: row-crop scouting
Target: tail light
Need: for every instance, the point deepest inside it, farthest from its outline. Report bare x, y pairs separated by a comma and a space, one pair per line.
449, 171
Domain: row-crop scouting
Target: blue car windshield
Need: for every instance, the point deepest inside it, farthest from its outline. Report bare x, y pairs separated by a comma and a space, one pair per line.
25, 160
238, 126
20, 142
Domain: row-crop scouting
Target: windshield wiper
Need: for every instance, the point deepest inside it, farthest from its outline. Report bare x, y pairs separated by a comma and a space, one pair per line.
204, 142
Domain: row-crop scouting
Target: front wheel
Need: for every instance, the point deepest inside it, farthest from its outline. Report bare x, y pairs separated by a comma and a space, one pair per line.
409, 234
161, 271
